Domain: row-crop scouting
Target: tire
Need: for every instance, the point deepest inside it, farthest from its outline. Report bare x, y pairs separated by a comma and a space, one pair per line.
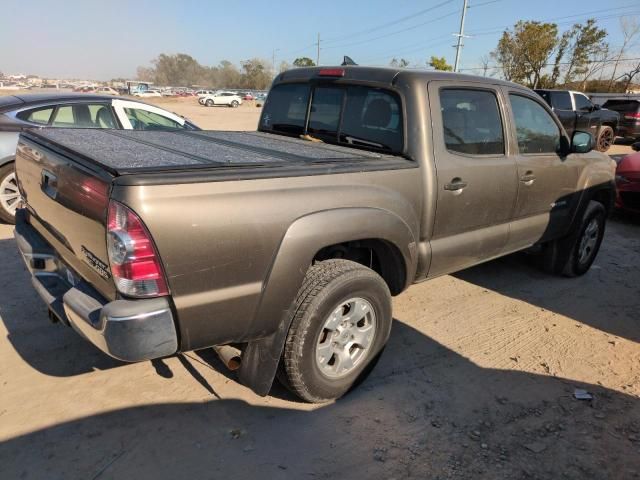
234, 104
335, 291
606, 137
209, 103
9, 195
574, 254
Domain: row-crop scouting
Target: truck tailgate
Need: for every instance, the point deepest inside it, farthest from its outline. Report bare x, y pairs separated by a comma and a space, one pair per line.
67, 204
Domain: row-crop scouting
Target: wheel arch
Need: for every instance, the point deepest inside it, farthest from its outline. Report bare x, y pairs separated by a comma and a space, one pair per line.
308, 238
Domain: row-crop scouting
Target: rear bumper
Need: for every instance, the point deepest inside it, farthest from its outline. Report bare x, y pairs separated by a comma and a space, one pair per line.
129, 330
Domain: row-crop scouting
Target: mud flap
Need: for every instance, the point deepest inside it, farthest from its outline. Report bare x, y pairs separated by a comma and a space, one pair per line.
260, 360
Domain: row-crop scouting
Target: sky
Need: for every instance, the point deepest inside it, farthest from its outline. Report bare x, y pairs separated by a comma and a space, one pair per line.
106, 39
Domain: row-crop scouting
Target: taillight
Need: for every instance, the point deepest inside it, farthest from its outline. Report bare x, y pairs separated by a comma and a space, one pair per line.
135, 263
632, 116
331, 72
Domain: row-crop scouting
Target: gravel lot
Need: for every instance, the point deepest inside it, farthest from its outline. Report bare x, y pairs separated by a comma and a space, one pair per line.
477, 382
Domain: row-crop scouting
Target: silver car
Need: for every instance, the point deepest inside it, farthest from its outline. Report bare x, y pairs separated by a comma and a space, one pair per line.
19, 112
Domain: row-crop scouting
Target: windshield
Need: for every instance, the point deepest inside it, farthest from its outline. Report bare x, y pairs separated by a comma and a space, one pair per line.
353, 115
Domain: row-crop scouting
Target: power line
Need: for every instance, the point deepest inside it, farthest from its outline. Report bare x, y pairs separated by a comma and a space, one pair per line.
395, 32
496, 29
498, 67
391, 23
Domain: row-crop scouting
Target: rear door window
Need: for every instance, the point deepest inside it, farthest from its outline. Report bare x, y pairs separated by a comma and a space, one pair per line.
561, 100
471, 121
83, 115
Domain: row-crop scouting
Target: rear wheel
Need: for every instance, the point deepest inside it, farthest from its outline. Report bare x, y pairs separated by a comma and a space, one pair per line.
234, 104
10, 198
209, 103
341, 324
574, 254
606, 137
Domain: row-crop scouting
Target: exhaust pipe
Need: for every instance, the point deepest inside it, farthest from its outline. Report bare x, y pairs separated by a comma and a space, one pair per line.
230, 356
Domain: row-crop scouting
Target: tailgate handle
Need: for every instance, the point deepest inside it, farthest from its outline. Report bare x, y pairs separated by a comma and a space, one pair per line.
49, 184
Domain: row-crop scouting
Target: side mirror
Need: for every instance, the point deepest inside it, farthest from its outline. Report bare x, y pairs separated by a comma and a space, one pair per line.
636, 147
581, 142
596, 106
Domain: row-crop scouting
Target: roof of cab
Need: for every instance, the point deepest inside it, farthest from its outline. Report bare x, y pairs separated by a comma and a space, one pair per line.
382, 75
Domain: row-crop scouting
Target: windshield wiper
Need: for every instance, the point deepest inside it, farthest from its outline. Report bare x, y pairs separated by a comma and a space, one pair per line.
351, 140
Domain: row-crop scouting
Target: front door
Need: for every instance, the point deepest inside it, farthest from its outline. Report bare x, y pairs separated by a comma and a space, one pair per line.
476, 176
546, 180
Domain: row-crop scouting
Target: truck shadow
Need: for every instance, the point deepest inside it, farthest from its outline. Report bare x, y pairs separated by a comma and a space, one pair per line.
51, 349
605, 298
425, 412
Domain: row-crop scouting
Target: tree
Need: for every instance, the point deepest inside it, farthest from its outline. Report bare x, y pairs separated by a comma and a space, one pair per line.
284, 66
587, 48
303, 62
524, 53
257, 74
145, 74
439, 63
402, 63
630, 28
563, 45
484, 61
178, 69
628, 77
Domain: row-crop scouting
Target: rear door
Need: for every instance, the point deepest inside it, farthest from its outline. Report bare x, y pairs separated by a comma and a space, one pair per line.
586, 121
562, 105
476, 175
546, 180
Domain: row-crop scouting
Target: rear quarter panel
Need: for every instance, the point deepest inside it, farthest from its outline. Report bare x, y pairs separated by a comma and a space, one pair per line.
218, 240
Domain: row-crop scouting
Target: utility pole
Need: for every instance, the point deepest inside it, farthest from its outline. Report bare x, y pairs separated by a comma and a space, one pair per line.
460, 36
273, 61
318, 55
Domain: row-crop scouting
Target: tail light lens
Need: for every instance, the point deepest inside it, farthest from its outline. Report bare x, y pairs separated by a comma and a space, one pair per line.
135, 263
632, 116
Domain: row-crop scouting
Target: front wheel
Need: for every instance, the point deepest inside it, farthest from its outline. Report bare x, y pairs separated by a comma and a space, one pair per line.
574, 254
341, 324
209, 103
10, 198
606, 137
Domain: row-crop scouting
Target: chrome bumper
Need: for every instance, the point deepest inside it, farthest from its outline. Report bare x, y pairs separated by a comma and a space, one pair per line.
129, 330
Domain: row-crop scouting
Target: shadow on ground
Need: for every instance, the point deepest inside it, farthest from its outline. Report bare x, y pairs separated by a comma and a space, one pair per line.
617, 284
425, 412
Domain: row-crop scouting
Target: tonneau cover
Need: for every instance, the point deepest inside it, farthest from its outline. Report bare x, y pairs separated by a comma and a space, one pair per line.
131, 151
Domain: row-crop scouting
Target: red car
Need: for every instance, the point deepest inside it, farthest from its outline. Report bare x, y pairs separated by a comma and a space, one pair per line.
628, 182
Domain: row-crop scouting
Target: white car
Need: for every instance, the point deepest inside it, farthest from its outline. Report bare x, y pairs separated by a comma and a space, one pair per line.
204, 93
229, 99
106, 91
72, 110
147, 94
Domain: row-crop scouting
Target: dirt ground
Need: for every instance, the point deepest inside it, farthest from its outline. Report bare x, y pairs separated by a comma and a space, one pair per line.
477, 382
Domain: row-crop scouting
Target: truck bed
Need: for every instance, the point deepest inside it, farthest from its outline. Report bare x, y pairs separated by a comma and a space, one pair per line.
123, 152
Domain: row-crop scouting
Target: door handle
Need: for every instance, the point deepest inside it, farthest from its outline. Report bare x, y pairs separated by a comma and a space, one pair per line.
456, 185
528, 178
49, 184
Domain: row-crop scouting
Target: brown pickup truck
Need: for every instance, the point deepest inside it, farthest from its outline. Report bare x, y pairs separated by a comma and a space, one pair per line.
282, 247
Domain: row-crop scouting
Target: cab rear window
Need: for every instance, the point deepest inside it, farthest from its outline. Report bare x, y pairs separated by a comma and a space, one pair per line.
353, 115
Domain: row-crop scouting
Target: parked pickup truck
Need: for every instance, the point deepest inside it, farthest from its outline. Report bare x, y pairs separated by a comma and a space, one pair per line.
577, 112
282, 247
